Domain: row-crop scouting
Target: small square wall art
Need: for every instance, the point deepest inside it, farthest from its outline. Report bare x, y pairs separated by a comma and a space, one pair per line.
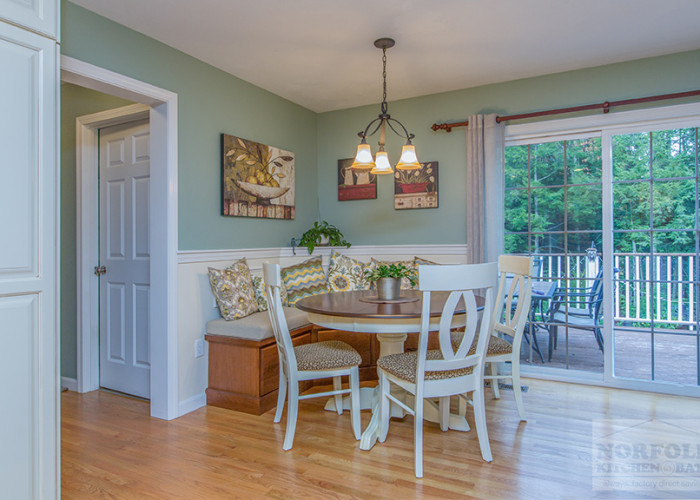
257, 180
355, 184
416, 188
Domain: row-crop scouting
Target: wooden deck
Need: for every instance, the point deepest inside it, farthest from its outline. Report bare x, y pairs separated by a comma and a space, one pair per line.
111, 448
675, 356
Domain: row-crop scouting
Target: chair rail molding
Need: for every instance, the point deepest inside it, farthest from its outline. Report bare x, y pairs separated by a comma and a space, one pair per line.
193, 256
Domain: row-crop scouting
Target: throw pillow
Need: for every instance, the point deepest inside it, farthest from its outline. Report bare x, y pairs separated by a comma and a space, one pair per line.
405, 283
261, 296
304, 279
233, 289
345, 274
420, 261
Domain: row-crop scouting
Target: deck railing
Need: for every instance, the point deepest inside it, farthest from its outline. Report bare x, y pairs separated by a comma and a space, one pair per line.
662, 287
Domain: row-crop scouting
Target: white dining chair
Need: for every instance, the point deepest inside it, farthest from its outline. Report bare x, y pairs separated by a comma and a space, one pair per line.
330, 359
439, 374
510, 316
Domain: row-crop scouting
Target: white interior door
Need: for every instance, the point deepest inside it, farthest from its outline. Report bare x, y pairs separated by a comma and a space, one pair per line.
125, 258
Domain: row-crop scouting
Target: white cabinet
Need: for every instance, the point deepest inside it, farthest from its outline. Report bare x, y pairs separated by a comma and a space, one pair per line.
29, 392
37, 15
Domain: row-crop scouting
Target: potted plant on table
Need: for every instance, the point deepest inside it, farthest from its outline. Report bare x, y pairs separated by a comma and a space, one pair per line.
323, 234
387, 280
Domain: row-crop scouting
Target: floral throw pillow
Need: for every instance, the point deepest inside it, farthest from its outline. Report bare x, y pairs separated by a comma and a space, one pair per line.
420, 261
346, 274
405, 283
261, 296
304, 279
233, 289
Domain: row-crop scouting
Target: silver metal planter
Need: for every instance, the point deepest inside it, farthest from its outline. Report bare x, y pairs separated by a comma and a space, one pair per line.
388, 288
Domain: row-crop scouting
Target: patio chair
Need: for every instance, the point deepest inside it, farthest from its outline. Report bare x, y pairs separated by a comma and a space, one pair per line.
580, 308
329, 359
448, 371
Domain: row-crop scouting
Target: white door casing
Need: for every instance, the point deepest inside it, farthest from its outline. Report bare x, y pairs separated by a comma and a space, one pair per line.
124, 252
29, 393
161, 108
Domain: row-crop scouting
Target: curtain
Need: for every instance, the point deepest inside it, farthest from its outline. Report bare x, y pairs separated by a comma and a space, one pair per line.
485, 188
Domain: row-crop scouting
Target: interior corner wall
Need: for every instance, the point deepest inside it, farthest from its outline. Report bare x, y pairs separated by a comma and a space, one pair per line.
376, 222
75, 101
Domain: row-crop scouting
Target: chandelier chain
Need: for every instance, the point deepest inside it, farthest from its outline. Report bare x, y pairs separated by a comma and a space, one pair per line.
384, 104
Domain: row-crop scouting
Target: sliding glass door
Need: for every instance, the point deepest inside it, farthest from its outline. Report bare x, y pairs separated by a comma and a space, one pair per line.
655, 252
609, 211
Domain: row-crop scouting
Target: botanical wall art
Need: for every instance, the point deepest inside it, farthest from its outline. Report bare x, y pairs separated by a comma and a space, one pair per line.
355, 185
258, 180
416, 188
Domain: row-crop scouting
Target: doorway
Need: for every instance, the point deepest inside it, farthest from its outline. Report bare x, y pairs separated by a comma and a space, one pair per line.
160, 107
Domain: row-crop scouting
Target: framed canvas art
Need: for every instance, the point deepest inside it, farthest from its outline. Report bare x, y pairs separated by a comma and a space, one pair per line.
416, 188
354, 184
257, 180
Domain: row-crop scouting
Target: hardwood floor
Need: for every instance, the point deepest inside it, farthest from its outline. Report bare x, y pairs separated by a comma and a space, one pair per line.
111, 448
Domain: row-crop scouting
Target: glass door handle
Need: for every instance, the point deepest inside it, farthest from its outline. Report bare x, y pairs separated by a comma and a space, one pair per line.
100, 270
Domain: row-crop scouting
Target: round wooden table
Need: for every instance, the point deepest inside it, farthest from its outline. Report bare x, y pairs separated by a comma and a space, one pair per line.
391, 322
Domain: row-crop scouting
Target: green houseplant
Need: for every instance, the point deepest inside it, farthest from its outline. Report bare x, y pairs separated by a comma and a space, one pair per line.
322, 233
387, 279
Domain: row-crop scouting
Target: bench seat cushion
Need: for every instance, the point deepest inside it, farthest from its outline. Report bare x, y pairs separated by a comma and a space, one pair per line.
256, 326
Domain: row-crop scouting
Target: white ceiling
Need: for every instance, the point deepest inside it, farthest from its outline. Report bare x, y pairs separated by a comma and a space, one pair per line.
320, 53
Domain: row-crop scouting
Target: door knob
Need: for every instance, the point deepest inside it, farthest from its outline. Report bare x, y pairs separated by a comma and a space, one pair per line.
99, 270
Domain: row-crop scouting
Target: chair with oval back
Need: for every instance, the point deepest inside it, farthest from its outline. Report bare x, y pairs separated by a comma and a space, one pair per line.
330, 359
448, 371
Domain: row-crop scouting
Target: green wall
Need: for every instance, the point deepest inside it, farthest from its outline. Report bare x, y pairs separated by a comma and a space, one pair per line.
75, 101
210, 102
376, 221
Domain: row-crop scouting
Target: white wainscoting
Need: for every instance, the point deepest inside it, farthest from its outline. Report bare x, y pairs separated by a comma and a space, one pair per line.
196, 303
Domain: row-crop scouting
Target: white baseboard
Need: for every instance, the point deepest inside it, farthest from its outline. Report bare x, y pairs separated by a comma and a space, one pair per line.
192, 404
69, 383
192, 256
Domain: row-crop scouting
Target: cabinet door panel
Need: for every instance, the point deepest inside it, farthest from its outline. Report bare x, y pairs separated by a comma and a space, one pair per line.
37, 15
28, 264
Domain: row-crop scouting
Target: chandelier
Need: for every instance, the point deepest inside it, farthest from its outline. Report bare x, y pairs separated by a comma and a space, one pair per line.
380, 164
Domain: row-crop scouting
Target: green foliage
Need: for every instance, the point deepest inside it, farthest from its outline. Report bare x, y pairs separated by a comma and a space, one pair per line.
392, 271
311, 238
565, 191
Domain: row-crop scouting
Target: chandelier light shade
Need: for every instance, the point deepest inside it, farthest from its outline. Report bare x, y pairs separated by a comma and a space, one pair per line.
380, 164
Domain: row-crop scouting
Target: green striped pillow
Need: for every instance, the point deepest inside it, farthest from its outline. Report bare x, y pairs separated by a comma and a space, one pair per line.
304, 279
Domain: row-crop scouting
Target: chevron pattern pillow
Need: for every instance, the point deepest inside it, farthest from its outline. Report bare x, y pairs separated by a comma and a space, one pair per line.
304, 279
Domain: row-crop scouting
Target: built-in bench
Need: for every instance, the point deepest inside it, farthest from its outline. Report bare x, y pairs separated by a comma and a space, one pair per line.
244, 364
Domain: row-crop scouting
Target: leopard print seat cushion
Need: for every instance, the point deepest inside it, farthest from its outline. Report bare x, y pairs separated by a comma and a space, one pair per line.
403, 366
497, 345
327, 355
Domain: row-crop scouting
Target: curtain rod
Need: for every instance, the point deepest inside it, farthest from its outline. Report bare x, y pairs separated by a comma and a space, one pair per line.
605, 106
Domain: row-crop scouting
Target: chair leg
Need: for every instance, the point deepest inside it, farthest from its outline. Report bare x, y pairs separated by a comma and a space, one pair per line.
418, 437
355, 401
462, 405
444, 407
598, 337
517, 387
553, 334
480, 419
338, 385
281, 395
292, 407
494, 381
384, 407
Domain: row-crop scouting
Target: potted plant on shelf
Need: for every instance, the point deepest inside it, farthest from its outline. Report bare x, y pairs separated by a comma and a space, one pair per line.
387, 280
323, 234
415, 181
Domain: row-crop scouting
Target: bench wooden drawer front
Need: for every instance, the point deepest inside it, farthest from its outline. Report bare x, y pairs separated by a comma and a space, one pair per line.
269, 365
